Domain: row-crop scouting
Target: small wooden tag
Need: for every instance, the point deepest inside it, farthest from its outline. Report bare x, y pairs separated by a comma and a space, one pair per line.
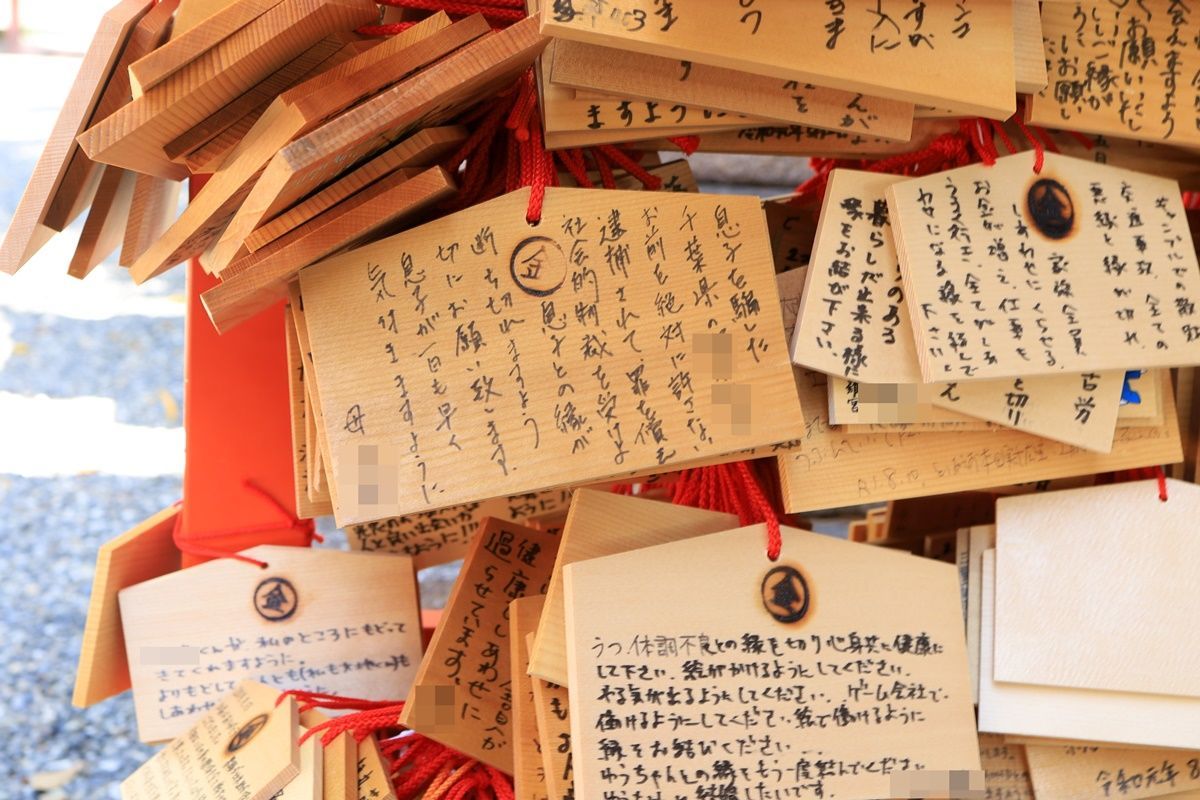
243, 746
795, 650
981, 538
309, 784
462, 695
445, 534
602, 524
1121, 71
613, 293
1011, 273
346, 623
143, 552
529, 776
1087, 715
945, 56
552, 708
152, 210
1135, 540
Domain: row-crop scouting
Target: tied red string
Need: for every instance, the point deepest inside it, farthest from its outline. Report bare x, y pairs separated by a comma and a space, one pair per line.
418, 766
734, 489
1140, 474
286, 519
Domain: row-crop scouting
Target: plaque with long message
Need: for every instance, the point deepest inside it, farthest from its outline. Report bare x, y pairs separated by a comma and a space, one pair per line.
845, 692
481, 356
1078, 268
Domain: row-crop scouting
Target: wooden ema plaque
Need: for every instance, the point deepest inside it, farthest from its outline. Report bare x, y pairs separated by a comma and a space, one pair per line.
947, 56
462, 695
689, 648
495, 336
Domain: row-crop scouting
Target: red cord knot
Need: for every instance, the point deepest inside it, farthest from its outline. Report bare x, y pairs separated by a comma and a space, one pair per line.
732, 489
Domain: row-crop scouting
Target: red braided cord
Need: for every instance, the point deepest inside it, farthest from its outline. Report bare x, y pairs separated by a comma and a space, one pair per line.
688, 144
650, 182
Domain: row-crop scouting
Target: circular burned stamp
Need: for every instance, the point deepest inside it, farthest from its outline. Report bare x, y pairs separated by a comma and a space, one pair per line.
538, 265
275, 599
785, 594
247, 732
1051, 208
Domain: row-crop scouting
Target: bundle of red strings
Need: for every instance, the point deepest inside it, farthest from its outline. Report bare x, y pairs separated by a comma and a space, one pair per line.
418, 767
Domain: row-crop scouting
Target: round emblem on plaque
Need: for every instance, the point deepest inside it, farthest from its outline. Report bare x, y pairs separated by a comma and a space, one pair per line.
275, 599
785, 594
539, 266
247, 732
1051, 208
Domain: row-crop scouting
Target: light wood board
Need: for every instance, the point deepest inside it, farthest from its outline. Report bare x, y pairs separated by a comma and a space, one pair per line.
302, 456
461, 693
1079, 714
1124, 305
249, 741
143, 552
1098, 773
27, 232
1134, 539
104, 228
180, 629
534, 442
650, 77
552, 708
639, 611
1160, 101
529, 776
830, 469
259, 280
942, 57
154, 206
601, 524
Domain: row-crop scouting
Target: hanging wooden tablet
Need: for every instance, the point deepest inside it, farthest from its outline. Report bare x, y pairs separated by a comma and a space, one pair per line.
1029, 57
1120, 70
854, 403
1005, 770
143, 552
801, 140
944, 56
1087, 715
444, 534
620, 115
592, 531
104, 228
294, 625
668, 81
306, 507
193, 42
1076, 409
27, 231
529, 777
315, 446
980, 539
151, 211
554, 732
81, 173
578, 304
256, 282
742, 644
422, 149
211, 209
134, 137
1013, 273
244, 745
462, 695
828, 468
339, 759
1135, 539
430, 97
1098, 773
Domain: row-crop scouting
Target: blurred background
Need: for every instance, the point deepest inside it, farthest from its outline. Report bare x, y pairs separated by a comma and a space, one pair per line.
91, 436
